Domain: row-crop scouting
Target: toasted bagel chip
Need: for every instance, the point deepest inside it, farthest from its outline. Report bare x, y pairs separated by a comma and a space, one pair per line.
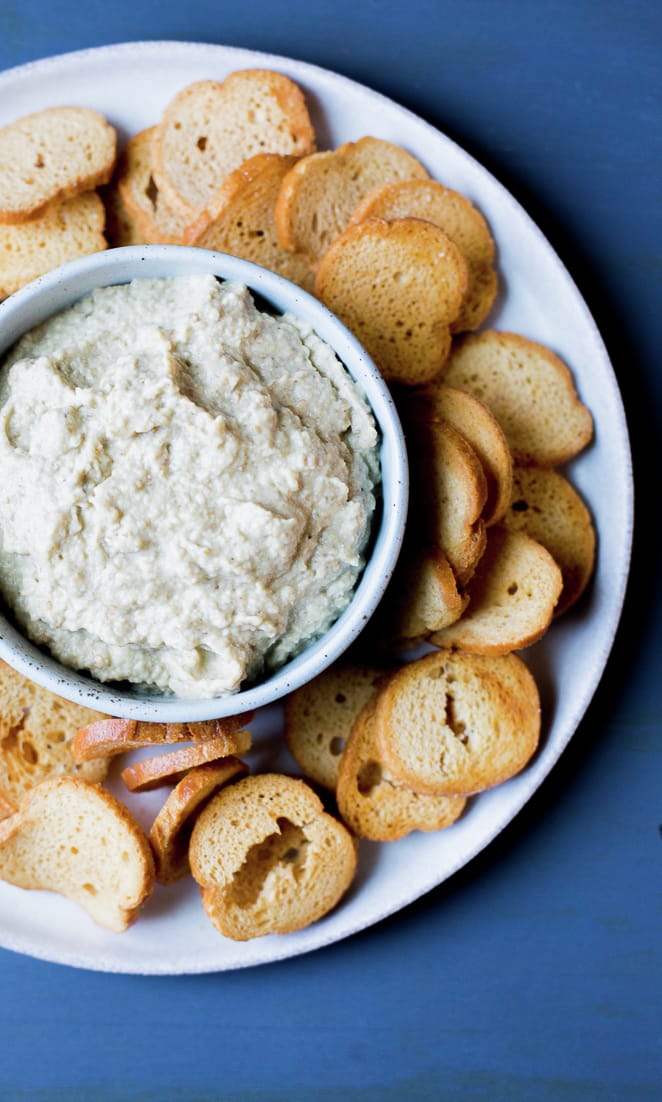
422, 597
6, 806
463, 223
454, 724
108, 737
480, 428
268, 858
65, 230
171, 830
545, 505
209, 128
529, 390
449, 491
512, 597
397, 286
51, 155
37, 729
158, 223
320, 192
240, 219
73, 837
319, 717
169, 768
121, 226
373, 803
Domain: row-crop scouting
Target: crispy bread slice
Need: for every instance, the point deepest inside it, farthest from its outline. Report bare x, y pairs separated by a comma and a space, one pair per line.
376, 806
211, 127
6, 806
169, 768
121, 227
52, 154
268, 858
319, 717
158, 223
108, 737
449, 494
73, 837
171, 830
463, 223
512, 597
456, 724
422, 597
398, 286
479, 426
318, 195
546, 506
64, 231
36, 733
240, 219
530, 392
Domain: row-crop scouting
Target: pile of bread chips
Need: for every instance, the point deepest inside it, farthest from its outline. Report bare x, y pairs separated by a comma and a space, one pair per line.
498, 543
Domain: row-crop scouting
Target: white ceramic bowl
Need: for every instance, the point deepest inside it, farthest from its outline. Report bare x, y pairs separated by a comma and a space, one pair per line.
56, 291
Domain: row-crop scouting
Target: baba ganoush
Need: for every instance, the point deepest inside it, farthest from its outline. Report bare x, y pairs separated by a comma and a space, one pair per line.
186, 485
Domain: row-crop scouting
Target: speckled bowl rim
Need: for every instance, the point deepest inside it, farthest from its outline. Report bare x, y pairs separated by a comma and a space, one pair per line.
61, 287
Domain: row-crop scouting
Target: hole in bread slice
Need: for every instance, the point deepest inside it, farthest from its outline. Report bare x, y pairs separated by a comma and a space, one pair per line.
286, 846
457, 726
368, 777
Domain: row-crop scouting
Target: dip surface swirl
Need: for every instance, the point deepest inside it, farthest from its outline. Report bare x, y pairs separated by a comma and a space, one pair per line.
186, 485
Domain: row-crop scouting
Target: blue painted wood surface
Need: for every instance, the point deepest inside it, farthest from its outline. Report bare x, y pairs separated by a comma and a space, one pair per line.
535, 973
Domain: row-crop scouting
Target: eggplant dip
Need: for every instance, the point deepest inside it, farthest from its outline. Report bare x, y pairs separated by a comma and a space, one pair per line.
187, 485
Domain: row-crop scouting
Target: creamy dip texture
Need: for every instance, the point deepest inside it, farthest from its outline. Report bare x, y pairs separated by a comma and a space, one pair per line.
186, 485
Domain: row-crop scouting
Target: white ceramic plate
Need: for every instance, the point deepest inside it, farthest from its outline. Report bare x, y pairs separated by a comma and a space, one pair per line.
131, 84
